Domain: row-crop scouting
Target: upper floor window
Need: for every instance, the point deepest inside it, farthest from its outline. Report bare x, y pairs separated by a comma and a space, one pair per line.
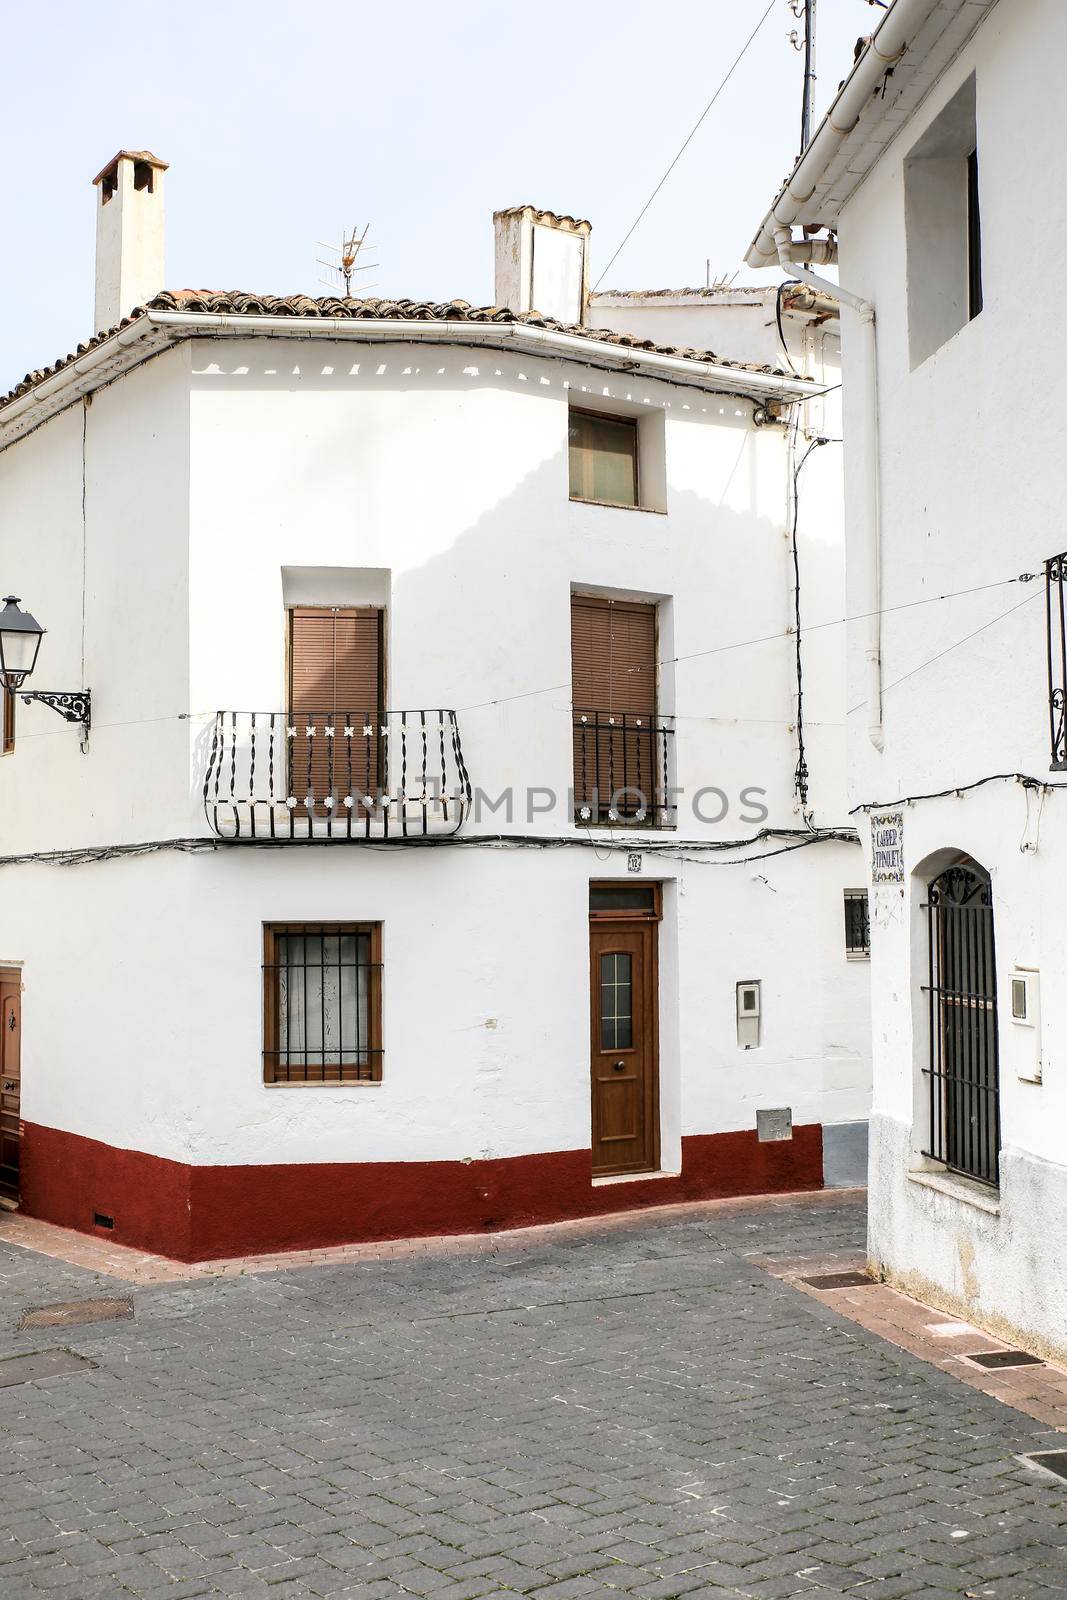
942, 221
857, 925
603, 458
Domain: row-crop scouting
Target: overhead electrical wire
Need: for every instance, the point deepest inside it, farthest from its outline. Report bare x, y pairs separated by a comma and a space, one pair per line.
685, 143
770, 638
992, 622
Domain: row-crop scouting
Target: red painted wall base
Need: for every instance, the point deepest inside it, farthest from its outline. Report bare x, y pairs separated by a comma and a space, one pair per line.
201, 1213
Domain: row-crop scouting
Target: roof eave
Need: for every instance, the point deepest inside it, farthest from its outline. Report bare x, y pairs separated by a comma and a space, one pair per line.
153, 331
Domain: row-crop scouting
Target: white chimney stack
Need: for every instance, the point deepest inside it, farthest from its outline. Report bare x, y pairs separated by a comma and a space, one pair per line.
129, 234
542, 263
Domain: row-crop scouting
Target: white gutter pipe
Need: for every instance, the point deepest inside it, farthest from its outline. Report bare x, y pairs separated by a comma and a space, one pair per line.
153, 331
899, 25
494, 335
792, 257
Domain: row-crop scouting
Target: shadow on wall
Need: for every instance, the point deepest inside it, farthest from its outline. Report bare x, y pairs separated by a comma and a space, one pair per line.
481, 614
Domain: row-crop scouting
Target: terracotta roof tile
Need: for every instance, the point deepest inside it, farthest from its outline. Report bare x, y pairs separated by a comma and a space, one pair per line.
235, 302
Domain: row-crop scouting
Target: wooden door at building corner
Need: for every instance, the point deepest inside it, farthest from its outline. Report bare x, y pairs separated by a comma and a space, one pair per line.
10, 1079
623, 982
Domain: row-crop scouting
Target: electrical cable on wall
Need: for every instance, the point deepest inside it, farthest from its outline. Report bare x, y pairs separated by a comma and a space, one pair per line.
700, 850
801, 775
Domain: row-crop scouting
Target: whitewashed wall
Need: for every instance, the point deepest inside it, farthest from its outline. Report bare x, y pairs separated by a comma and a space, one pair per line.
971, 468
224, 472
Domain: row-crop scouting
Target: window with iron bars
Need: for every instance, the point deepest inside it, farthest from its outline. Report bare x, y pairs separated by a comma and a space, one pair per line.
857, 925
964, 1071
322, 1002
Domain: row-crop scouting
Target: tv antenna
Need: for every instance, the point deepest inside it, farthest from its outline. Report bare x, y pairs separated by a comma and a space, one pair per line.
349, 261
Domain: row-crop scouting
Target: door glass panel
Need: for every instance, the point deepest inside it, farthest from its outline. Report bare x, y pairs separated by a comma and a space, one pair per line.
616, 1008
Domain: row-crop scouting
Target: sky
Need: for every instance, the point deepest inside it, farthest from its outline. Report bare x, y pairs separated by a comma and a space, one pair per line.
285, 124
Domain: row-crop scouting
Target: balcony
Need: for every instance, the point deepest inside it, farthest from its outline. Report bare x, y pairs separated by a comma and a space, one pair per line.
621, 770
1056, 613
319, 776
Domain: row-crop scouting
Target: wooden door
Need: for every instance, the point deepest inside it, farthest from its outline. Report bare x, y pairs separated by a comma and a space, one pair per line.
10, 1078
623, 987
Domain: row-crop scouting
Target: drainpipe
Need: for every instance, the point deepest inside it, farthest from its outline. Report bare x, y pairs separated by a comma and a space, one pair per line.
795, 257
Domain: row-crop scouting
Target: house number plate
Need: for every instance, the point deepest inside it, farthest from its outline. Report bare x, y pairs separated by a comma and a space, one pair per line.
634, 861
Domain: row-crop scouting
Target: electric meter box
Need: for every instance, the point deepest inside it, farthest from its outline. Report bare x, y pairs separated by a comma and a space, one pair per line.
748, 1014
1025, 1013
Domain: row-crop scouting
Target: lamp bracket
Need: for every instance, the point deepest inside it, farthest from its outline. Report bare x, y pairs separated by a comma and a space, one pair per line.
72, 705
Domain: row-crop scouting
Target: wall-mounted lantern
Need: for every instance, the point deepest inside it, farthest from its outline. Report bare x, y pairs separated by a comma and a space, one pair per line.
20, 641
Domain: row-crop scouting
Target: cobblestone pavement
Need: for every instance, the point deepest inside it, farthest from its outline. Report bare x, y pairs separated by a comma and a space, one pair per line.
643, 1412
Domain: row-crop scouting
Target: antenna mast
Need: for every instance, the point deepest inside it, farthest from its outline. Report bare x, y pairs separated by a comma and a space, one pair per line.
348, 262
805, 9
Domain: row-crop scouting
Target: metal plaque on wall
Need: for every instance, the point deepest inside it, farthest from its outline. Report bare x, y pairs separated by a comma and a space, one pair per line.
887, 846
774, 1123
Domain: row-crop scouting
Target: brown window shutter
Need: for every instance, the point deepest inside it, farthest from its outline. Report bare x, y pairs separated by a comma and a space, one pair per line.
335, 676
613, 656
613, 664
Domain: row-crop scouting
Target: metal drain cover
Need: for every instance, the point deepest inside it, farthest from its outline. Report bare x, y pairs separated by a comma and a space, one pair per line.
1054, 1461
44, 1364
840, 1280
1005, 1358
70, 1313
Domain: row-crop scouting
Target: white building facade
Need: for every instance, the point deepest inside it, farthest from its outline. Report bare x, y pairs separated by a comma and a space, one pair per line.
343, 925
930, 169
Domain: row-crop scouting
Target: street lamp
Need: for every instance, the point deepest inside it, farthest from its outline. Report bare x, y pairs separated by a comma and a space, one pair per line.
20, 641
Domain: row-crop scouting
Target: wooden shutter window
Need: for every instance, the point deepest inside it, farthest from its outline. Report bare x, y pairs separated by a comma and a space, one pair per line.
335, 674
613, 656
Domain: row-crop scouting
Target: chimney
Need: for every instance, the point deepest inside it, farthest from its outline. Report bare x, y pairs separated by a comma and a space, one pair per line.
541, 263
129, 234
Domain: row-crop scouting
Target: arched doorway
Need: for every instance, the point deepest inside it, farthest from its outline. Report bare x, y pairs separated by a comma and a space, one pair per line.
964, 1075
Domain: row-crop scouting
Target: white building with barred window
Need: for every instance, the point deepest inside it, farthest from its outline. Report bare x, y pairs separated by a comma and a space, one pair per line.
931, 168
406, 828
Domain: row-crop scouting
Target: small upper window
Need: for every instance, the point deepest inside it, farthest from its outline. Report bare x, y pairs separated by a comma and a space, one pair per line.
942, 226
857, 925
603, 458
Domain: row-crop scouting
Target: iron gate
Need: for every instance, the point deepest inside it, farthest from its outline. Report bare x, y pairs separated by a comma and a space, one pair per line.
964, 1069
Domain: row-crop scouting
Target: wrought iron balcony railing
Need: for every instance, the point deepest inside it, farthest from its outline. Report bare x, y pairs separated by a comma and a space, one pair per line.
1056, 611
335, 775
621, 769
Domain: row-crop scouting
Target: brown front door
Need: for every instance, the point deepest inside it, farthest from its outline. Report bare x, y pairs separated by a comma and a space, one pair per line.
624, 1030
10, 1080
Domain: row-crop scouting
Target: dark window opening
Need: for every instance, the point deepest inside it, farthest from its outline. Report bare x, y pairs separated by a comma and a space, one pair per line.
641, 897
9, 721
143, 175
857, 924
974, 239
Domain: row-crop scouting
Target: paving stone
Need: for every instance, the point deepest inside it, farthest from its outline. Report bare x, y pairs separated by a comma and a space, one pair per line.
642, 1411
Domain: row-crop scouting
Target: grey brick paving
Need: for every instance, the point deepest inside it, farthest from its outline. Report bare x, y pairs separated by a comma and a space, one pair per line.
642, 1413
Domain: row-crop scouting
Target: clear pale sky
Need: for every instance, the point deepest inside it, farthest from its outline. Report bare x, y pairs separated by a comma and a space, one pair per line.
285, 123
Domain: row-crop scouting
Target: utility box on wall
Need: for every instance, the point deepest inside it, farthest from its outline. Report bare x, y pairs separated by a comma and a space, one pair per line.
1026, 1017
748, 1014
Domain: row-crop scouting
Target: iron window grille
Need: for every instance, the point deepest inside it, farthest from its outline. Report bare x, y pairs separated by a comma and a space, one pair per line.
964, 1070
621, 770
322, 1003
1056, 614
857, 924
